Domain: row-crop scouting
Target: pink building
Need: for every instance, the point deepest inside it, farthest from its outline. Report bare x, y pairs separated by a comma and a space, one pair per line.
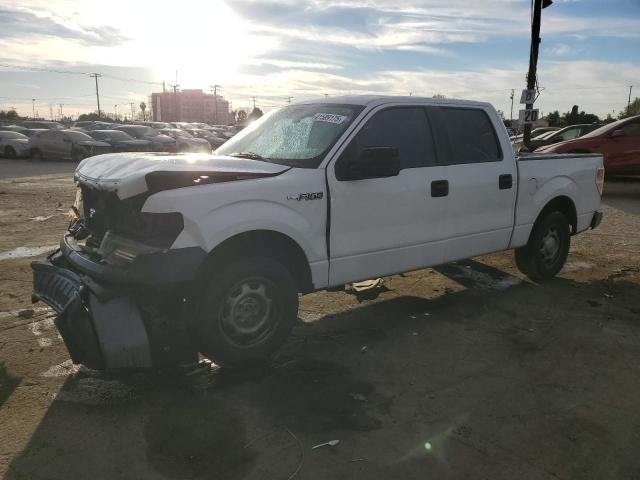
192, 105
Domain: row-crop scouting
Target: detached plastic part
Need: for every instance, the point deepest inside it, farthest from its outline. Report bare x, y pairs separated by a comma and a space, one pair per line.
101, 328
121, 333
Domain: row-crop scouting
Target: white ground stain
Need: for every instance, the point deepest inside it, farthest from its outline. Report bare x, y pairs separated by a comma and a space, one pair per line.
25, 252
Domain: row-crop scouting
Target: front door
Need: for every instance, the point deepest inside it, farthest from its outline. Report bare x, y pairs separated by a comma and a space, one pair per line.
381, 226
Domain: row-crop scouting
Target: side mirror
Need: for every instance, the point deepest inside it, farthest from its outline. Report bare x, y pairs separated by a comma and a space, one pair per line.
374, 162
618, 133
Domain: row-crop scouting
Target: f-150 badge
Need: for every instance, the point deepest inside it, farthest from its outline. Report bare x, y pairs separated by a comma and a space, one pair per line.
306, 196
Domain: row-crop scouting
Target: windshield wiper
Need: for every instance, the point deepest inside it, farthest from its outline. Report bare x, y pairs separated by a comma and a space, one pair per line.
249, 155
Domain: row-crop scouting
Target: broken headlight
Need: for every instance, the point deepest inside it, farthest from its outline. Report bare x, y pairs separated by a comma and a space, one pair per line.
120, 251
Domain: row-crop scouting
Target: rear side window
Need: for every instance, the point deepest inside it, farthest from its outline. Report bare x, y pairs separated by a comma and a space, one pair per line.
406, 129
470, 133
632, 129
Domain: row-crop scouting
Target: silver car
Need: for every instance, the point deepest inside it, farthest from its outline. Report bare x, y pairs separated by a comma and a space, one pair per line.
13, 144
65, 145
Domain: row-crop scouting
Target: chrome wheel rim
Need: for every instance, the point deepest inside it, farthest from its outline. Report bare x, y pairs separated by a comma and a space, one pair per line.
550, 246
249, 312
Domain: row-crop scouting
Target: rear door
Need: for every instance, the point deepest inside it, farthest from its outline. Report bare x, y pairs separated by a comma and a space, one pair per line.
381, 226
46, 144
481, 174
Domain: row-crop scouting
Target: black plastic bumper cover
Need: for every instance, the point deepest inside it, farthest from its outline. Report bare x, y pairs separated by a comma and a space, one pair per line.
596, 220
65, 292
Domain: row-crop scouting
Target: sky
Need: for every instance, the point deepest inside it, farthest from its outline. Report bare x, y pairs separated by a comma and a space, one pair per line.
273, 50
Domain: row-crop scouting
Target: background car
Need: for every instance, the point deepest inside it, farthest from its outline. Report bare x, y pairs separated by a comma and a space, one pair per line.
536, 132
65, 145
185, 142
618, 142
121, 141
13, 144
42, 124
566, 133
13, 128
160, 142
214, 140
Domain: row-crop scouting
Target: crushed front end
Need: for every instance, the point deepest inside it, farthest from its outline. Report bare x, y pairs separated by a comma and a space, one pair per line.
116, 284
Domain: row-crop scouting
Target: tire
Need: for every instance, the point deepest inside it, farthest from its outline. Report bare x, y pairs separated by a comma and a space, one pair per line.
36, 155
9, 152
244, 311
546, 252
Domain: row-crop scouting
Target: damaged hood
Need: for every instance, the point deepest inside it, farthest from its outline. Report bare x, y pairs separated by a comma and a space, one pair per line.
126, 173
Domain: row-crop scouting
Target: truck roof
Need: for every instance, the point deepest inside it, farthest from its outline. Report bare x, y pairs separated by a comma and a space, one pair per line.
368, 100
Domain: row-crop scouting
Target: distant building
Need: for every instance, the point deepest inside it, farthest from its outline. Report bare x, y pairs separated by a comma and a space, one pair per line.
190, 106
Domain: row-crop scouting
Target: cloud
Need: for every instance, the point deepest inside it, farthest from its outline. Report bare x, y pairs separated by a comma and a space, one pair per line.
23, 24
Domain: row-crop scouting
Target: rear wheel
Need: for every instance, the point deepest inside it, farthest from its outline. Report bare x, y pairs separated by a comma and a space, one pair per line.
546, 252
244, 312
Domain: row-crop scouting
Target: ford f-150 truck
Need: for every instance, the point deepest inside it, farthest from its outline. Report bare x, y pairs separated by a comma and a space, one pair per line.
309, 197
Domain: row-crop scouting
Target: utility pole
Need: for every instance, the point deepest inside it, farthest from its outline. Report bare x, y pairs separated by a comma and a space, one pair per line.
511, 97
33, 108
289, 100
538, 5
175, 99
96, 76
61, 115
254, 103
133, 112
115, 112
629, 101
51, 111
215, 101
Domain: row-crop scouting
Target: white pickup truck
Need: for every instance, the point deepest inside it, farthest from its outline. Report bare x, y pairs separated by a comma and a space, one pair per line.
309, 197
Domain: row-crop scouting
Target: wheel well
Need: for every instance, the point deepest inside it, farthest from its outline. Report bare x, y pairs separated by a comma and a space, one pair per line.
566, 207
275, 245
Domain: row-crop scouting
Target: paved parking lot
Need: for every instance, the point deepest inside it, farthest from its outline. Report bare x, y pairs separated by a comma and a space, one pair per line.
463, 371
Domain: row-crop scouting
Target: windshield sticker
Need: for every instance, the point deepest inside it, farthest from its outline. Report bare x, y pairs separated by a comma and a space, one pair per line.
329, 117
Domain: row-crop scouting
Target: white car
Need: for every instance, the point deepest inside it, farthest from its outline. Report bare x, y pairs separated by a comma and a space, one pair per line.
309, 197
13, 144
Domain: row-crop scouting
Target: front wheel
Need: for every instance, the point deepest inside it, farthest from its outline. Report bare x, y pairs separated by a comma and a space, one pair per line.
546, 252
77, 156
244, 311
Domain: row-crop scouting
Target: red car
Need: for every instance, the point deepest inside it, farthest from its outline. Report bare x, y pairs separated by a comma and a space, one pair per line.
618, 142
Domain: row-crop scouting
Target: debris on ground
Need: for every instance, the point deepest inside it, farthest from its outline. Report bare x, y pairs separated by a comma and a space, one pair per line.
331, 443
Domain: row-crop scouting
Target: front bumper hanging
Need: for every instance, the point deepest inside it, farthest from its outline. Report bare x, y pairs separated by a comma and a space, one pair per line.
102, 328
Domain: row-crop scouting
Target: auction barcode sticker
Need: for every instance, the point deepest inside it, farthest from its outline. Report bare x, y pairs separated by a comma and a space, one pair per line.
329, 117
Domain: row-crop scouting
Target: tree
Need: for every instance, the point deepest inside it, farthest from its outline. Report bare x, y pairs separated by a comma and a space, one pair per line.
12, 115
553, 118
439, 95
575, 117
255, 114
241, 117
143, 107
93, 116
631, 110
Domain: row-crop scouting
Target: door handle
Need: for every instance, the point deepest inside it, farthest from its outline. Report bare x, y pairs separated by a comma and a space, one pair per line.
440, 188
505, 182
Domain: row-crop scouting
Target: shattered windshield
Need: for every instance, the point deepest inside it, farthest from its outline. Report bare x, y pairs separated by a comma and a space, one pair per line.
299, 135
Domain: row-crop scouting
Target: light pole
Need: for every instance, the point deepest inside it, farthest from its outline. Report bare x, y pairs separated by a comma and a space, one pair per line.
538, 5
215, 101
